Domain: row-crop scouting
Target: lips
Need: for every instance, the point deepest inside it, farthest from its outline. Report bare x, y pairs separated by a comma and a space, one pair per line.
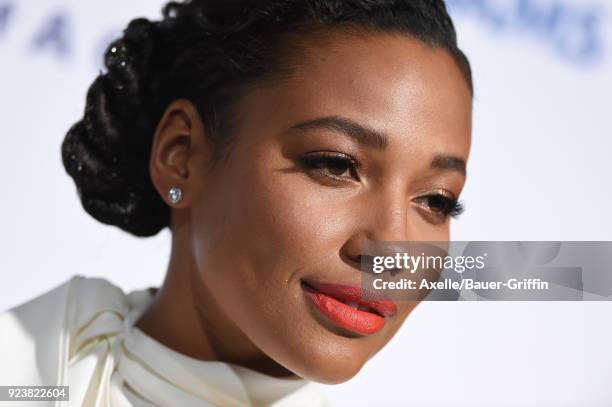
344, 306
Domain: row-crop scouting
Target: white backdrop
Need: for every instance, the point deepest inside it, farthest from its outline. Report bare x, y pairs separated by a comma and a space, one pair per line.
539, 170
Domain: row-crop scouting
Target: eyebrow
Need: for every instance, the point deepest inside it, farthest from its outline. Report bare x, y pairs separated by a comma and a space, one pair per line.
362, 134
373, 138
448, 163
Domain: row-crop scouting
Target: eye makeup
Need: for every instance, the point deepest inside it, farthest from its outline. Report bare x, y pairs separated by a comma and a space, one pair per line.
335, 165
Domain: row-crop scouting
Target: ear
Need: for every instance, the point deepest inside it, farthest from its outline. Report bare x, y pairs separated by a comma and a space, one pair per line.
179, 147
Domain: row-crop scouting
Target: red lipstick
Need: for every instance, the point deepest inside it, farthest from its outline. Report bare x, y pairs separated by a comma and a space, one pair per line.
344, 306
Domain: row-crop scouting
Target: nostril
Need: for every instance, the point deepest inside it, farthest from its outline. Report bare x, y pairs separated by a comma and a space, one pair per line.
365, 260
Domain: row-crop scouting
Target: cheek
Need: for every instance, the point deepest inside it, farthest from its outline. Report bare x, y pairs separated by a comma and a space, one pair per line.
284, 219
262, 227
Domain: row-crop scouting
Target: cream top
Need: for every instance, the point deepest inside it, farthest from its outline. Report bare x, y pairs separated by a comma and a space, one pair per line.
81, 335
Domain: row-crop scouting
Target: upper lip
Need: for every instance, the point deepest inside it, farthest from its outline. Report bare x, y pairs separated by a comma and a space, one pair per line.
347, 293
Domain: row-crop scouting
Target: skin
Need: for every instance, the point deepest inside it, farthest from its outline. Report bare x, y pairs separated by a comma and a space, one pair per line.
251, 227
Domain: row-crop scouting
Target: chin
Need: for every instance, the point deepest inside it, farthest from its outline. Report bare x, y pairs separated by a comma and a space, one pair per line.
329, 367
332, 373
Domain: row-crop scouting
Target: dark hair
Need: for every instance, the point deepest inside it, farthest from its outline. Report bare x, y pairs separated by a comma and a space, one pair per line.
205, 51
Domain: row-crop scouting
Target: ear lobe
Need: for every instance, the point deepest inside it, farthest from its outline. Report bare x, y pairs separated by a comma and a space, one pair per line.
178, 135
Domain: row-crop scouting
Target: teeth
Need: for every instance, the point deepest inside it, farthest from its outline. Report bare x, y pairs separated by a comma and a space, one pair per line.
358, 306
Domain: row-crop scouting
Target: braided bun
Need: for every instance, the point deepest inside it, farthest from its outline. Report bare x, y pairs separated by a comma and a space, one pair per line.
107, 152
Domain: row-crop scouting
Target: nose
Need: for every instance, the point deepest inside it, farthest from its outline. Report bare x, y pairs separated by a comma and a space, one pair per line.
386, 219
381, 220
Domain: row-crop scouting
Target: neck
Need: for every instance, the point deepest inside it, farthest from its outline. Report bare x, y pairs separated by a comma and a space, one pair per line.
184, 316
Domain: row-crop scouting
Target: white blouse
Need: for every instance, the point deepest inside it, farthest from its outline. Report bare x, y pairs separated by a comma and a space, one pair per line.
81, 335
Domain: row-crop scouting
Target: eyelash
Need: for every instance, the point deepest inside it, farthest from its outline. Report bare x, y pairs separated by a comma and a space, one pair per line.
450, 206
321, 162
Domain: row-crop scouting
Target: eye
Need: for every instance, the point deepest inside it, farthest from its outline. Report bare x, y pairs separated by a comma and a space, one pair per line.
441, 205
336, 166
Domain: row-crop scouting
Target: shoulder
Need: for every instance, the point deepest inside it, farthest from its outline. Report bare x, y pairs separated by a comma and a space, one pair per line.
39, 336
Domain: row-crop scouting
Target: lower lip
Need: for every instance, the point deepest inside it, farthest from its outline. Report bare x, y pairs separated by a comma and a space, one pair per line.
345, 316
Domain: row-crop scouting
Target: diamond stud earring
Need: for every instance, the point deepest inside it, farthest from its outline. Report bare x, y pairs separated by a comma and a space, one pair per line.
175, 195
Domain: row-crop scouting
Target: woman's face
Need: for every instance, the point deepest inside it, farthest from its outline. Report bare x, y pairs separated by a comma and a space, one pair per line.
347, 149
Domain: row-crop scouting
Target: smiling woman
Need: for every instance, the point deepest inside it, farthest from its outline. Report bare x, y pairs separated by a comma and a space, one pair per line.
273, 138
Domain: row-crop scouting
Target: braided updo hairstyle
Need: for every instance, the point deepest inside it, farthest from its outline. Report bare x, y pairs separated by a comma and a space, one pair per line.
207, 52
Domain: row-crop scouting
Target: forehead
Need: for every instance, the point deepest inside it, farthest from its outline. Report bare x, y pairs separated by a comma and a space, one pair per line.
390, 82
